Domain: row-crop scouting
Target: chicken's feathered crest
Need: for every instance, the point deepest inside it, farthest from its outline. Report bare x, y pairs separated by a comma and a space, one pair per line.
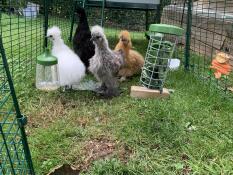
55, 32
99, 37
97, 30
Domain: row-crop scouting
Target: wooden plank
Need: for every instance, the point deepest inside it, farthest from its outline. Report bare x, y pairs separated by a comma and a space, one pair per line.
143, 92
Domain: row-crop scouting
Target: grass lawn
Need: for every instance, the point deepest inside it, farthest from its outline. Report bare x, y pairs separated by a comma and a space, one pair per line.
145, 136
189, 133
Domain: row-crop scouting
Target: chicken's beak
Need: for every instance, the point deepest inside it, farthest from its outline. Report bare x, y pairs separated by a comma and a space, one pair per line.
125, 41
49, 36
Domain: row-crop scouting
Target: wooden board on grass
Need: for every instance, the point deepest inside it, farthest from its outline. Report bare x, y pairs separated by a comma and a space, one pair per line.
143, 92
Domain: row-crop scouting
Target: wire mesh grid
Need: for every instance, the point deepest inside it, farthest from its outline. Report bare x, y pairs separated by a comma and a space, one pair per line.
211, 34
16, 34
60, 14
13, 160
170, 16
22, 31
15, 156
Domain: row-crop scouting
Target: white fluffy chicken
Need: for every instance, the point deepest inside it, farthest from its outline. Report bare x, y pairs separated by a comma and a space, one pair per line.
71, 69
105, 64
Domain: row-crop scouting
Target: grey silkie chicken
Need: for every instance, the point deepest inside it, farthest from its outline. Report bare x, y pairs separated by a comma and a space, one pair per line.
105, 64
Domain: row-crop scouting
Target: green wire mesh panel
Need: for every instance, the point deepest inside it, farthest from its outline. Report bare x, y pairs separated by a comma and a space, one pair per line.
12, 155
162, 44
54, 13
15, 156
211, 32
22, 33
60, 14
23, 26
170, 14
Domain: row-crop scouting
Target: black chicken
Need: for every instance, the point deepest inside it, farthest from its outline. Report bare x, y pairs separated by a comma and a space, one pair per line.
82, 44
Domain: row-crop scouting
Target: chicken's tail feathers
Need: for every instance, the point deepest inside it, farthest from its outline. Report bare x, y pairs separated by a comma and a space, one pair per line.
80, 10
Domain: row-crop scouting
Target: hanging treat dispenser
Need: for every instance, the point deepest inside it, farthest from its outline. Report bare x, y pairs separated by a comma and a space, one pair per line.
47, 72
160, 51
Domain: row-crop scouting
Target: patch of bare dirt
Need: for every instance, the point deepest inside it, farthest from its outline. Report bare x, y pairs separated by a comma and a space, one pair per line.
95, 149
100, 148
64, 170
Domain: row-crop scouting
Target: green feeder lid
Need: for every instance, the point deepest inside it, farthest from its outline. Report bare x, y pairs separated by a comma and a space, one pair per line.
165, 28
46, 59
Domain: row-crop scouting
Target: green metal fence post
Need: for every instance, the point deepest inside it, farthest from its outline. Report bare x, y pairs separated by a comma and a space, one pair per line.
158, 13
147, 20
182, 17
46, 21
102, 13
75, 2
188, 35
20, 117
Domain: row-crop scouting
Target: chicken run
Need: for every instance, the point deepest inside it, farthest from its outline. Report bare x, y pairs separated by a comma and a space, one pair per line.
91, 43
